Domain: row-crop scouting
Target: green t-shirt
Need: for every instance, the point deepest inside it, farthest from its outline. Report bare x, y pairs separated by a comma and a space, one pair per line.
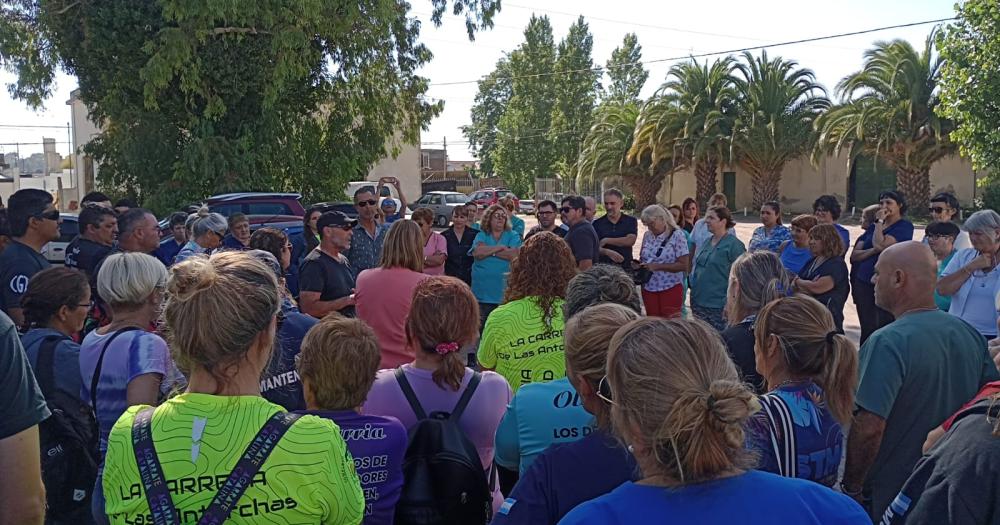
517, 344
915, 373
308, 478
710, 278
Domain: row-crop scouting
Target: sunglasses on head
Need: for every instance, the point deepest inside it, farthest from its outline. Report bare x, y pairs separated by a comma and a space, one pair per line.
362, 204
52, 215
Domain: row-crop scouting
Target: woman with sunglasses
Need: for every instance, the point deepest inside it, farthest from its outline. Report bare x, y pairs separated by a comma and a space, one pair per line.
811, 371
559, 475
972, 278
682, 414
494, 247
208, 229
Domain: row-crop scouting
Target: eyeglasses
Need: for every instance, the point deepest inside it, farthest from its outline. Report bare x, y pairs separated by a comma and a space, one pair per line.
936, 209
546, 213
935, 237
52, 215
604, 391
86, 305
362, 204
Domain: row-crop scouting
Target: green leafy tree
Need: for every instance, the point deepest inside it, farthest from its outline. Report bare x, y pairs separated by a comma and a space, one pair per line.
690, 120
605, 149
577, 84
888, 111
776, 105
524, 150
626, 73
209, 96
491, 102
970, 83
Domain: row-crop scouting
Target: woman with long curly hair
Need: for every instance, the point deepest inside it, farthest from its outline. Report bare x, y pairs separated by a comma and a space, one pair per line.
523, 337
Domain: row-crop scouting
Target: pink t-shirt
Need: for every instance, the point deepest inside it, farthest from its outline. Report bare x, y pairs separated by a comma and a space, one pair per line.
479, 421
383, 298
436, 244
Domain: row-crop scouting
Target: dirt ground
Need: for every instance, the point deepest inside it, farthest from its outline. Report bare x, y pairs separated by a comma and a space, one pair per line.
744, 230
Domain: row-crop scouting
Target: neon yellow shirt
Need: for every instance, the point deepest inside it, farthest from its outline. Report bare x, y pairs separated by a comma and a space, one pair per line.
308, 478
517, 344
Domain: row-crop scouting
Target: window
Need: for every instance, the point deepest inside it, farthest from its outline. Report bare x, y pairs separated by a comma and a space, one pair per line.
226, 209
68, 230
425, 160
268, 208
424, 200
438, 199
457, 199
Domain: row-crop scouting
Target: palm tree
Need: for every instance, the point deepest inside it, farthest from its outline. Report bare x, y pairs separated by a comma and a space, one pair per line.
689, 120
604, 153
888, 112
776, 105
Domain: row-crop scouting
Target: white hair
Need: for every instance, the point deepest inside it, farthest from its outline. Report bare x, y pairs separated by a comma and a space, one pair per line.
655, 211
204, 221
128, 279
983, 221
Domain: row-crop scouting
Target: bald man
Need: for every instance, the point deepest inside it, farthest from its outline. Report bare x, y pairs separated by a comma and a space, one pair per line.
914, 373
591, 210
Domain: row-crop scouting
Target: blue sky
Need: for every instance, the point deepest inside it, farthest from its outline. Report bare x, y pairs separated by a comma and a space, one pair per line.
665, 29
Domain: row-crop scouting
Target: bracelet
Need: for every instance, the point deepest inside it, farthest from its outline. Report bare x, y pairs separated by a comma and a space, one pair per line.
852, 493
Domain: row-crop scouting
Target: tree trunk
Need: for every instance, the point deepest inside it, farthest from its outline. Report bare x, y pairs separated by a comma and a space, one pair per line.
915, 184
765, 186
645, 188
705, 180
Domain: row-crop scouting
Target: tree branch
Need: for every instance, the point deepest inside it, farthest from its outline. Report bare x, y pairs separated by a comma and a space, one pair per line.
242, 30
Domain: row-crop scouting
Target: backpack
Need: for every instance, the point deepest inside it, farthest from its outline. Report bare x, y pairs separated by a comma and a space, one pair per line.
443, 478
68, 441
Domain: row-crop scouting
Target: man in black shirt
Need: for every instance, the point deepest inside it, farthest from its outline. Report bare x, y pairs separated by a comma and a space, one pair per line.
98, 228
326, 279
616, 231
34, 221
581, 237
546, 213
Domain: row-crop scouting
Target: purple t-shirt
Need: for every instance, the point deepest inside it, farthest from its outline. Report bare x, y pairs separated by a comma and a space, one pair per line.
130, 355
479, 421
378, 445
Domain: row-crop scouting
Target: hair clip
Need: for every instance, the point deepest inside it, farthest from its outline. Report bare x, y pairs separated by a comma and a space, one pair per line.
446, 348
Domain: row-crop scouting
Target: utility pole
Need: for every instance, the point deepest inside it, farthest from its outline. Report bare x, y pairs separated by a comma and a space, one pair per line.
445, 142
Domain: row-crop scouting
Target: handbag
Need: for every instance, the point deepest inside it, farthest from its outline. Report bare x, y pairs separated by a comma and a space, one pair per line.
641, 275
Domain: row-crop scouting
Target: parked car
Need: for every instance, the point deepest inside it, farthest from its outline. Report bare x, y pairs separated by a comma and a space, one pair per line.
490, 196
258, 204
443, 203
69, 228
347, 208
527, 207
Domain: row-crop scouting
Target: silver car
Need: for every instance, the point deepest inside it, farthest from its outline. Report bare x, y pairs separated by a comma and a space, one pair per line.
443, 203
55, 251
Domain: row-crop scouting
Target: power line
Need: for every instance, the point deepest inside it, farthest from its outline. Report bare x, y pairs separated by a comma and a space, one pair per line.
31, 126
714, 53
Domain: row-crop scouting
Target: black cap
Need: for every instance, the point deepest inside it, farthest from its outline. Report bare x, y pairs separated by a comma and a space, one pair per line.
336, 219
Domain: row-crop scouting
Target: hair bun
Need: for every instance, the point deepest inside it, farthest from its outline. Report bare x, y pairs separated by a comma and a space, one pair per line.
191, 276
730, 402
203, 211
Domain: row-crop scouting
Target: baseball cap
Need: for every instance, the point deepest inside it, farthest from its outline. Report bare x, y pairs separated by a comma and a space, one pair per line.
336, 219
389, 202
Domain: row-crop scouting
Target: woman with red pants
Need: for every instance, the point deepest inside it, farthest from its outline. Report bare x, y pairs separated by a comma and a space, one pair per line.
665, 254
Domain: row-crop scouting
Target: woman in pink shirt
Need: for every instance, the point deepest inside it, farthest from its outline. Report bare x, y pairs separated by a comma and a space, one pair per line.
382, 295
444, 318
435, 245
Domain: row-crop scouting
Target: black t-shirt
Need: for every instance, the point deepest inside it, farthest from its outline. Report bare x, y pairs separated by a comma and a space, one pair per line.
958, 481
24, 405
333, 279
18, 263
558, 230
626, 225
281, 383
739, 341
459, 262
834, 300
85, 254
583, 241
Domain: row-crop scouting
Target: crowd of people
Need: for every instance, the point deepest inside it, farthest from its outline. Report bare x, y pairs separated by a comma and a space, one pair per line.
570, 373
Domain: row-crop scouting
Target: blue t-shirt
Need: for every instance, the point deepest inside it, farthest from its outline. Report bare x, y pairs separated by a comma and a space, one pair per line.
844, 235
280, 383
489, 275
378, 445
794, 258
763, 240
819, 438
564, 476
66, 359
750, 498
901, 230
539, 415
232, 243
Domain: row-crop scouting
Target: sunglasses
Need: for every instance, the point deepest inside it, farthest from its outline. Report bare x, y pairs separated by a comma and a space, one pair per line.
566, 209
362, 204
604, 391
936, 209
52, 215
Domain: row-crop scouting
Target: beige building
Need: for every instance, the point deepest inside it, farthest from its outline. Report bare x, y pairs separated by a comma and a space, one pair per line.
802, 182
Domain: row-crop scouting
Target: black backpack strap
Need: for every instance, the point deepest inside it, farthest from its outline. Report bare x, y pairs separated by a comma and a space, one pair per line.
161, 505
247, 467
411, 396
100, 364
456, 413
154, 484
45, 364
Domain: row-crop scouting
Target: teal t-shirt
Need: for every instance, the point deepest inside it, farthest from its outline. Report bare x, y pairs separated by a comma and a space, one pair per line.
517, 224
489, 275
915, 373
942, 302
540, 415
710, 279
